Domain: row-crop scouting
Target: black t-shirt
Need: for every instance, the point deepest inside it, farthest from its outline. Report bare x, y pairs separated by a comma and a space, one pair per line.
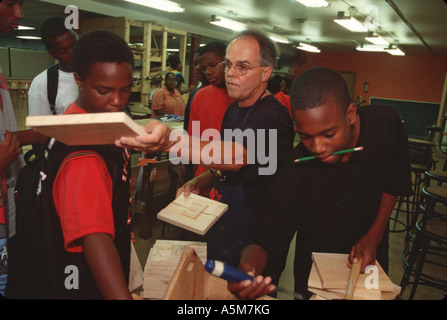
332, 206
243, 190
260, 119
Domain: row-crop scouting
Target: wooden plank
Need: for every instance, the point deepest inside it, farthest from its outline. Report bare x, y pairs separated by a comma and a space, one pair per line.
194, 213
334, 272
86, 128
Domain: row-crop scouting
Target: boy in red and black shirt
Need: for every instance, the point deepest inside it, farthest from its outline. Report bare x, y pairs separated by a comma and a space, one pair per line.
85, 221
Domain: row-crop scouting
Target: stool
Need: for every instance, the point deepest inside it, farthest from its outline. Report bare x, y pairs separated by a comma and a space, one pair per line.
430, 236
417, 171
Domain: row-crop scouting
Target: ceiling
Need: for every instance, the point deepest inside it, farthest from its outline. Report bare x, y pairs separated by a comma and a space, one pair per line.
418, 26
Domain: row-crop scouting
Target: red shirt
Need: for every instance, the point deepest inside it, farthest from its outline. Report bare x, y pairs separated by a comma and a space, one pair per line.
208, 107
285, 100
82, 194
162, 99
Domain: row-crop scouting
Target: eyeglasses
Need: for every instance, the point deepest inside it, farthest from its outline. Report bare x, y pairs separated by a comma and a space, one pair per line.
240, 69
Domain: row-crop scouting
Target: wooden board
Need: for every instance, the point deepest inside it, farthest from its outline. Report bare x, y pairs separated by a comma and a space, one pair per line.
329, 277
194, 213
162, 263
191, 282
86, 128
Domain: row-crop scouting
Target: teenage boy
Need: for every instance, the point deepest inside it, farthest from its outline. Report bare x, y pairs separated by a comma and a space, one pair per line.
211, 103
59, 43
86, 221
335, 203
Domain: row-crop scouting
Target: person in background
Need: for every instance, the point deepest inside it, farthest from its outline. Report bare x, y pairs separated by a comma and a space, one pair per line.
211, 103
59, 42
274, 87
203, 82
188, 169
11, 157
176, 67
167, 99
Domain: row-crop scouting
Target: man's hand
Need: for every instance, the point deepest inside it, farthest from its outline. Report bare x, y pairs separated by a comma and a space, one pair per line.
9, 150
247, 289
156, 139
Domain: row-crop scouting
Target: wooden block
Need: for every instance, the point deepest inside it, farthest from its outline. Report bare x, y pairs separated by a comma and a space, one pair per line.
191, 282
200, 216
334, 272
315, 285
86, 128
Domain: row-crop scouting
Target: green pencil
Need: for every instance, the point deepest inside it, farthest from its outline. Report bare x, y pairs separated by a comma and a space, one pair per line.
336, 152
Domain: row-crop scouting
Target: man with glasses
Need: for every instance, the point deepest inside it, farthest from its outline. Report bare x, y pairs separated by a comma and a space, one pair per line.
248, 64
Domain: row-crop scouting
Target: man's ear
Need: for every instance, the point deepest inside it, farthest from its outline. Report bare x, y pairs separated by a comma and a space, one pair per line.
351, 113
266, 74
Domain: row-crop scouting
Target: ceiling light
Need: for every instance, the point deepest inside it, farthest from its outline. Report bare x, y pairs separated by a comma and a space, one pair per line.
376, 39
350, 23
308, 47
278, 38
25, 28
314, 3
395, 51
29, 37
163, 5
227, 23
370, 48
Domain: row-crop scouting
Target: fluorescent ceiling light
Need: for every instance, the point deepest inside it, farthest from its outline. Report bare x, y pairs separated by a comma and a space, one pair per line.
227, 23
350, 23
29, 37
371, 48
314, 3
25, 28
377, 40
163, 5
173, 50
395, 51
278, 38
308, 47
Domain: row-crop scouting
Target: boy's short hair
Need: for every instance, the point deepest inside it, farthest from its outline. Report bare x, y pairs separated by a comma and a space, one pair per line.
316, 86
218, 47
52, 28
99, 46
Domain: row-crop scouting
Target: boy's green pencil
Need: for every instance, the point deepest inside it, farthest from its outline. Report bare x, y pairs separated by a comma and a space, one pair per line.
336, 152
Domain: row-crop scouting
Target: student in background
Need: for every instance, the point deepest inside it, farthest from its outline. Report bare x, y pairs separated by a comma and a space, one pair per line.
274, 87
211, 103
11, 158
176, 67
59, 42
334, 203
167, 99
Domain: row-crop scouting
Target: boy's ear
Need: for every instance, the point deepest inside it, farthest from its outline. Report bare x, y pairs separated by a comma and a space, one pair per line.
351, 113
79, 81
